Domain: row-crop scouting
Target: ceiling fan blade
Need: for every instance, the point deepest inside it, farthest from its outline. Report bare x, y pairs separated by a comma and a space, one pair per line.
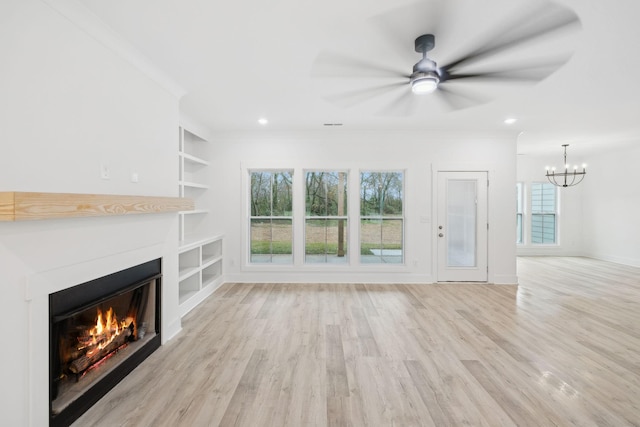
354, 97
530, 25
456, 100
333, 64
527, 73
404, 104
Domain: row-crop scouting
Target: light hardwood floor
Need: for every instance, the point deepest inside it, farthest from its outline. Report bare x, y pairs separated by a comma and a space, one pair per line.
562, 349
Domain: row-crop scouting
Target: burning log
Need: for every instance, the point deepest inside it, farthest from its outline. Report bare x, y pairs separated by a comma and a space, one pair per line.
96, 354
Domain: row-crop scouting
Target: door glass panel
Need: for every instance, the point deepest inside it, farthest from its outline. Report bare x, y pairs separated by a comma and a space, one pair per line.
461, 223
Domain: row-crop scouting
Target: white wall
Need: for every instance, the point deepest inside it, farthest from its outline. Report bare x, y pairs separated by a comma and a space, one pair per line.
531, 168
67, 104
416, 153
611, 202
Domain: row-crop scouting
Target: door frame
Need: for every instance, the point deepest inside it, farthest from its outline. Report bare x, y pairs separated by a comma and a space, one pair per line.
435, 170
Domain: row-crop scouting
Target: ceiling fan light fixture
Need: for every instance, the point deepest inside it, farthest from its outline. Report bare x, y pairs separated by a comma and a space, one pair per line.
424, 82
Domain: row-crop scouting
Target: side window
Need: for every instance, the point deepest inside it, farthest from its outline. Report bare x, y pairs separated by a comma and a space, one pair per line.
520, 213
326, 217
543, 213
271, 220
381, 217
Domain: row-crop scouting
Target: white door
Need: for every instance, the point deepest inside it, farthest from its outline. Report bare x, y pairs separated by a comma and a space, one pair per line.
461, 227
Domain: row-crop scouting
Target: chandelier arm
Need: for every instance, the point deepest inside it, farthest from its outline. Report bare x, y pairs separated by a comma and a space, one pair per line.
581, 178
573, 179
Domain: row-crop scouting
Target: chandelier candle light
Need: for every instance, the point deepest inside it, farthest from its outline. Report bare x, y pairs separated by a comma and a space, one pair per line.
566, 178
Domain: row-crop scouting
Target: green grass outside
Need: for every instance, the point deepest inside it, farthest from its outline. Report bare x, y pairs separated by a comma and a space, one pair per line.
279, 248
319, 248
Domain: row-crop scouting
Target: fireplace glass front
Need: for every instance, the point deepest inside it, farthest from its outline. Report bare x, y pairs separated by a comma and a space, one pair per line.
99, 332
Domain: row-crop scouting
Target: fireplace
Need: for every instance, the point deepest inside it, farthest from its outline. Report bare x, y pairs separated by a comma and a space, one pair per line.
99, 331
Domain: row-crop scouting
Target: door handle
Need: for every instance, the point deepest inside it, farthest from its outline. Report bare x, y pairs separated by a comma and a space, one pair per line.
440, 235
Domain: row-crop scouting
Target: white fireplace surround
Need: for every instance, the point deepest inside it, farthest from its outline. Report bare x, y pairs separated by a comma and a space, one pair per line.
37, 289
77, 97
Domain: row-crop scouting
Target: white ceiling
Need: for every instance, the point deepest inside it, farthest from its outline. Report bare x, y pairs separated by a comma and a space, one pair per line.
239, 61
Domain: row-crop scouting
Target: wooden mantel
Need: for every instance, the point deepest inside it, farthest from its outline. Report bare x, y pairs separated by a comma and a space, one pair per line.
18, 206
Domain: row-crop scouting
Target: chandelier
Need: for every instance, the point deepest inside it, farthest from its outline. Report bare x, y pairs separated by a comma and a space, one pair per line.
566, 178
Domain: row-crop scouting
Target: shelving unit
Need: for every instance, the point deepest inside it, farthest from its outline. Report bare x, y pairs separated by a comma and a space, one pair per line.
200, 271
200, 251
193, 182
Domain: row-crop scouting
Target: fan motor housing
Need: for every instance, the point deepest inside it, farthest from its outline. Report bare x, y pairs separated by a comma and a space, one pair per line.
425, 43
424, 65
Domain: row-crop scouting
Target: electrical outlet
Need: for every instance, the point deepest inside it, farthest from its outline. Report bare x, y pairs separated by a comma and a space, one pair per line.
135, 177
104, 171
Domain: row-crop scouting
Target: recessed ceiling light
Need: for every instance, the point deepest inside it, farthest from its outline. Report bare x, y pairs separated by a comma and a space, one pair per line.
510, 121
263, 121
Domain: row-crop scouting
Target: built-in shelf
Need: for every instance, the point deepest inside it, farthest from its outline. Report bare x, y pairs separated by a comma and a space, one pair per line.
193, 159
194, 212
187, 272
193, 184
18, 206
200, 271
186, 295
192, 242
199, 250
208, 260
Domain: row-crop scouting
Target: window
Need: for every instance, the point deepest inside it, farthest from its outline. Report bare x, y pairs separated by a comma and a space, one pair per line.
543, 213
271, 217
519, 213
326, 217
381, 217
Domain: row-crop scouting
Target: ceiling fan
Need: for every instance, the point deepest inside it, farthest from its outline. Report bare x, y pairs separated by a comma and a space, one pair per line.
428, 77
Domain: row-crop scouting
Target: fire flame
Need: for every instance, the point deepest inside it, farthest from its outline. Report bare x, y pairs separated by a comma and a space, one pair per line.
98, 342
106, 329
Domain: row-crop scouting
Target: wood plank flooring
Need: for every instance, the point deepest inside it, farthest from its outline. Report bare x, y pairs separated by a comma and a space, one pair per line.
561, 349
